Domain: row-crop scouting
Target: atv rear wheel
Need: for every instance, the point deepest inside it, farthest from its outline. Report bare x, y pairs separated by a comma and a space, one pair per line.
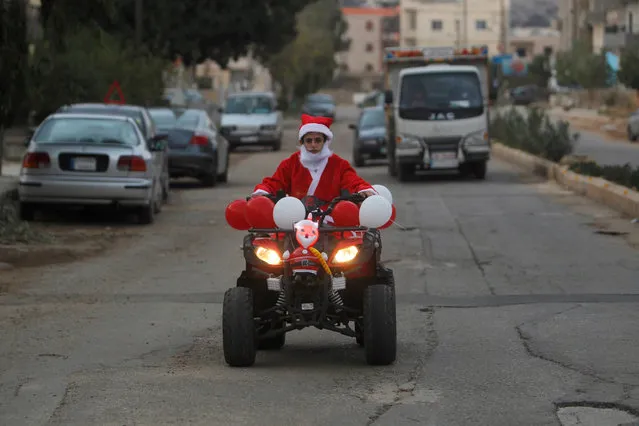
380, 324
238, 327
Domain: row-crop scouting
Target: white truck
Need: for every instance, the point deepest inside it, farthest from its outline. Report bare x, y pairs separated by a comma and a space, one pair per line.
437, 102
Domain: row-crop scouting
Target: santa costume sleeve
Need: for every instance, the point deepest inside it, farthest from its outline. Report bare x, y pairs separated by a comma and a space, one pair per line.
281, 180
351, 181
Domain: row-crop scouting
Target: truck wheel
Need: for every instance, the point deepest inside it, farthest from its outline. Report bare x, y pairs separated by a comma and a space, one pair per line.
380, 325
238, 327
480, 169
405, 172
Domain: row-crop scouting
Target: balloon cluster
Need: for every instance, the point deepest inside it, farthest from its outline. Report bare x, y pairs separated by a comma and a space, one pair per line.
376, 211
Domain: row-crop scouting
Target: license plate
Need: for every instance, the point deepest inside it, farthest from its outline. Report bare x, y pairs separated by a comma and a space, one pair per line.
249, 139
307, 306
444, 160
84, 164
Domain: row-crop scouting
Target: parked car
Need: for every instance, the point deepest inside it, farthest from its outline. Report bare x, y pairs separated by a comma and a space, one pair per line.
319, 104
92, 159
526, 95
633, 126
375, 98
252, 118
164, 118
143, 119
197, 149
370, 136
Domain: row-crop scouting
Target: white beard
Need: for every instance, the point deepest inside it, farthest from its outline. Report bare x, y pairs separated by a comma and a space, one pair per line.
314, 161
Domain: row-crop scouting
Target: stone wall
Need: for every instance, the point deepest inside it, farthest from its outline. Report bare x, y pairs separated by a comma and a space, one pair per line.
14, 143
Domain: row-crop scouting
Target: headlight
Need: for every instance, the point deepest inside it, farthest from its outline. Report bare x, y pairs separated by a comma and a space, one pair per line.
267, 255
346, 254
407, 141
479, 138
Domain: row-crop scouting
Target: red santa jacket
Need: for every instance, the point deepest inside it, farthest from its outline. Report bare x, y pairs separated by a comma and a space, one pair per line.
295, 179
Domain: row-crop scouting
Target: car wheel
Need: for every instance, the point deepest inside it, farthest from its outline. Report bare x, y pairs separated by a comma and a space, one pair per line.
277, 145
146, 214
27, 211
631, 136
224, 177
158, 200
358, 160
210, 179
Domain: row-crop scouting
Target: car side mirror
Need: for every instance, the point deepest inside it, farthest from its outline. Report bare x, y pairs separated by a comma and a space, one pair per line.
352, 126
388, 97
160, 137
220, 110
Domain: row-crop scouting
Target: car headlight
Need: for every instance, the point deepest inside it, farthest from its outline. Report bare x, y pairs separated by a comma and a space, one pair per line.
479, 138
346, 254
268, 255
407, 141
268, 127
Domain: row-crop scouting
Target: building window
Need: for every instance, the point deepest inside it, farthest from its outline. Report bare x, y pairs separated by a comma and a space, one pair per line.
411, 16
369, 47
521, 52
369, 26
410, 41
436, 25
369, 67
480, 24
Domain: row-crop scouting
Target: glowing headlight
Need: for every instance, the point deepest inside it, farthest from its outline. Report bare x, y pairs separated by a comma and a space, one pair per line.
267, 255
346, 254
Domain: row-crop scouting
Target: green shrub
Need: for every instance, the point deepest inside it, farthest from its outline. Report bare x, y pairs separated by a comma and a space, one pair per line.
83, 70
533, 132
626, 175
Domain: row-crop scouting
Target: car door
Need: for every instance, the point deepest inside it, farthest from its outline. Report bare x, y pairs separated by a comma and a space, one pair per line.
221, 144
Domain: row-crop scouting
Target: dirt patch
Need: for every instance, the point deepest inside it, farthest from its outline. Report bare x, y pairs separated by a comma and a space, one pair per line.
612, 128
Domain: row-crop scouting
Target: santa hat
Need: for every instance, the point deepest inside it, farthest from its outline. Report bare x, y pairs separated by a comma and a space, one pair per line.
316, 124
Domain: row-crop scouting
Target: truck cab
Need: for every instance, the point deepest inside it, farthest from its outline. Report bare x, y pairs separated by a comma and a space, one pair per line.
437, 113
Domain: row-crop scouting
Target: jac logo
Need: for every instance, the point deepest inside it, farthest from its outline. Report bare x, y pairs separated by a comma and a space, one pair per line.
441, 116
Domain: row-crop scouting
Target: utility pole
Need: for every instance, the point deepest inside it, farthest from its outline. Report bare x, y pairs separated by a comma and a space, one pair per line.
465, 20
505, 25
139, 14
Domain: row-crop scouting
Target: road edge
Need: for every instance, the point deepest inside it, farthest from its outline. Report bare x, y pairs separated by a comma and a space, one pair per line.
616, 197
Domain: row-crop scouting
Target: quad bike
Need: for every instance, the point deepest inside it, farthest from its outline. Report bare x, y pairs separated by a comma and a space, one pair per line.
312, 275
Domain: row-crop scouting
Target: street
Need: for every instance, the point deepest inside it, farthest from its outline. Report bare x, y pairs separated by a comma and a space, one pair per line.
513, 300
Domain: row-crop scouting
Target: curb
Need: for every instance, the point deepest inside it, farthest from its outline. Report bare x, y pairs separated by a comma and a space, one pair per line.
617, 197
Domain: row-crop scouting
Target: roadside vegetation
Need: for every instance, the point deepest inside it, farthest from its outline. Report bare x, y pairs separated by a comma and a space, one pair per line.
625, 175
534, 133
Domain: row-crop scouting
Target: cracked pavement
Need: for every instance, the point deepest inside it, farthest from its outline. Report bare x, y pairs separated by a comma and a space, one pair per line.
510, 305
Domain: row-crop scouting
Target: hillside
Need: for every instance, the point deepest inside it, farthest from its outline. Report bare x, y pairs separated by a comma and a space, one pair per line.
533, 13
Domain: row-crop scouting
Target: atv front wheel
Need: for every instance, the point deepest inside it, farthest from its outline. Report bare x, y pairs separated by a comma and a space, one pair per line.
238, 327
380, 324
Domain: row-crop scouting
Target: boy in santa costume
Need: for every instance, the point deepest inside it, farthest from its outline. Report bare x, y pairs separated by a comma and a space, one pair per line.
314, 169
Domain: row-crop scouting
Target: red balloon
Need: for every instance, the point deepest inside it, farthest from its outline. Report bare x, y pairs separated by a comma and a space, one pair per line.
259, 213
235, 215
391, 220
346, 213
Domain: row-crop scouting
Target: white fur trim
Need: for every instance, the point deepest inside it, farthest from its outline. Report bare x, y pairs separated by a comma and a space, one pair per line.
316, 127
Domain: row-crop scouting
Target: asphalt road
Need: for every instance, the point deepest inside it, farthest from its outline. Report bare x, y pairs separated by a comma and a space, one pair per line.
509, 303
603, 151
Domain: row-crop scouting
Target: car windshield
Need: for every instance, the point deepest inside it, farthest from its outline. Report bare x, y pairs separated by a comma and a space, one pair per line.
320, 99
249, 105
448, 90
188, 120
163, 119
373, 118
134, 114
87, 130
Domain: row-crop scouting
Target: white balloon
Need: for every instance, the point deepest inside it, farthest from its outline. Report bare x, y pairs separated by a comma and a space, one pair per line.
288, 211
384, 192
375, 211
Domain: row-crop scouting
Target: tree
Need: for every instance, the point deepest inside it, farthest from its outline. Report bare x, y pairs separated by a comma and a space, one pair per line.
14, 52
583, 67
308, 62
629, 67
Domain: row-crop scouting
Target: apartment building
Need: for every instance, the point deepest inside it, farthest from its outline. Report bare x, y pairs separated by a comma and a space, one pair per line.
370, 30
608, 25
455, 22
530, 42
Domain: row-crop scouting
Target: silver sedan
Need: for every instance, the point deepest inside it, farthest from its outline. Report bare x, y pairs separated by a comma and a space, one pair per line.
91, 159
